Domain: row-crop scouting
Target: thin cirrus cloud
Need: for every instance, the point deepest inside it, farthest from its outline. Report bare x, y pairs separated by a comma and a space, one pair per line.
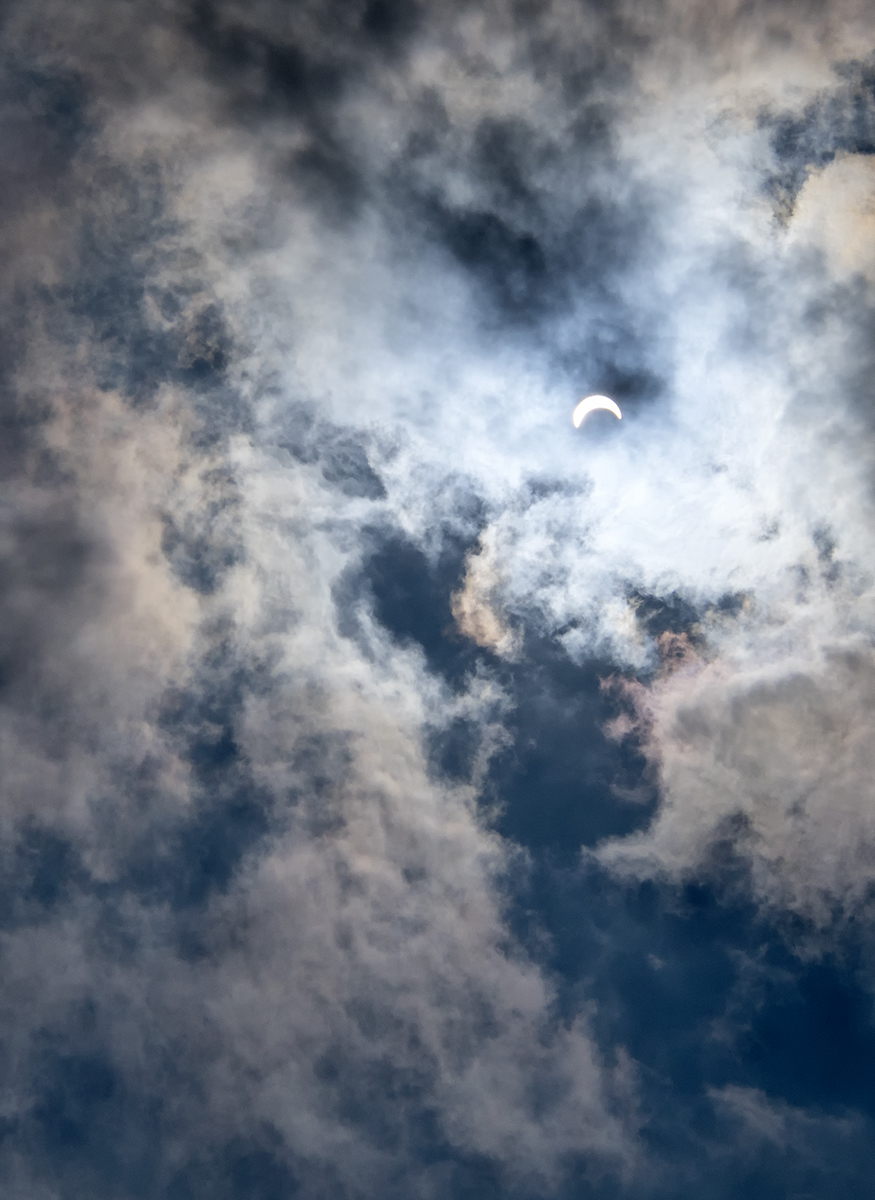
405, 793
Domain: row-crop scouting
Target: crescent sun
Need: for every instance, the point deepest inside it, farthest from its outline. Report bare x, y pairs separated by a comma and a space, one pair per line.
589, 403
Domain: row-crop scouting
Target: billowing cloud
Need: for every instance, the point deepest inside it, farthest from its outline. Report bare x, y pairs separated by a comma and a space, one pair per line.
404, 793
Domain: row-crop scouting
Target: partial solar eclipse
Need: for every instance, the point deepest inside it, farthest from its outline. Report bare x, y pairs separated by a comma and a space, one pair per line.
589, 403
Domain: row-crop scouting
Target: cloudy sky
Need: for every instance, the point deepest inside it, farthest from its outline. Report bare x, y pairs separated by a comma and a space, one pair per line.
407, 796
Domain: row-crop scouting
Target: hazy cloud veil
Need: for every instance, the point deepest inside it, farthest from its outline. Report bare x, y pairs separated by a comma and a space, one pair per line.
404, 793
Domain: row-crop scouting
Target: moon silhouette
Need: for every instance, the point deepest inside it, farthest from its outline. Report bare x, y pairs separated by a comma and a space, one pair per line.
589, 403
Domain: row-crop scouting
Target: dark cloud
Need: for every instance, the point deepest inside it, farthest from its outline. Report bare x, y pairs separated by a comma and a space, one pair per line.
343, 459
840, 120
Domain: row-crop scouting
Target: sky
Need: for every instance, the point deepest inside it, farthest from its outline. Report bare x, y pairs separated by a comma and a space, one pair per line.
407, 795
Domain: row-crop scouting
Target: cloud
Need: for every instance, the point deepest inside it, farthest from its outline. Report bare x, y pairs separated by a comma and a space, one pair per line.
328, 642
834, 214
785, 757
471, 607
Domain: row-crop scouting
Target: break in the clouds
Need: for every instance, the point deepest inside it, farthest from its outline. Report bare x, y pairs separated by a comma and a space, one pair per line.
406, 794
